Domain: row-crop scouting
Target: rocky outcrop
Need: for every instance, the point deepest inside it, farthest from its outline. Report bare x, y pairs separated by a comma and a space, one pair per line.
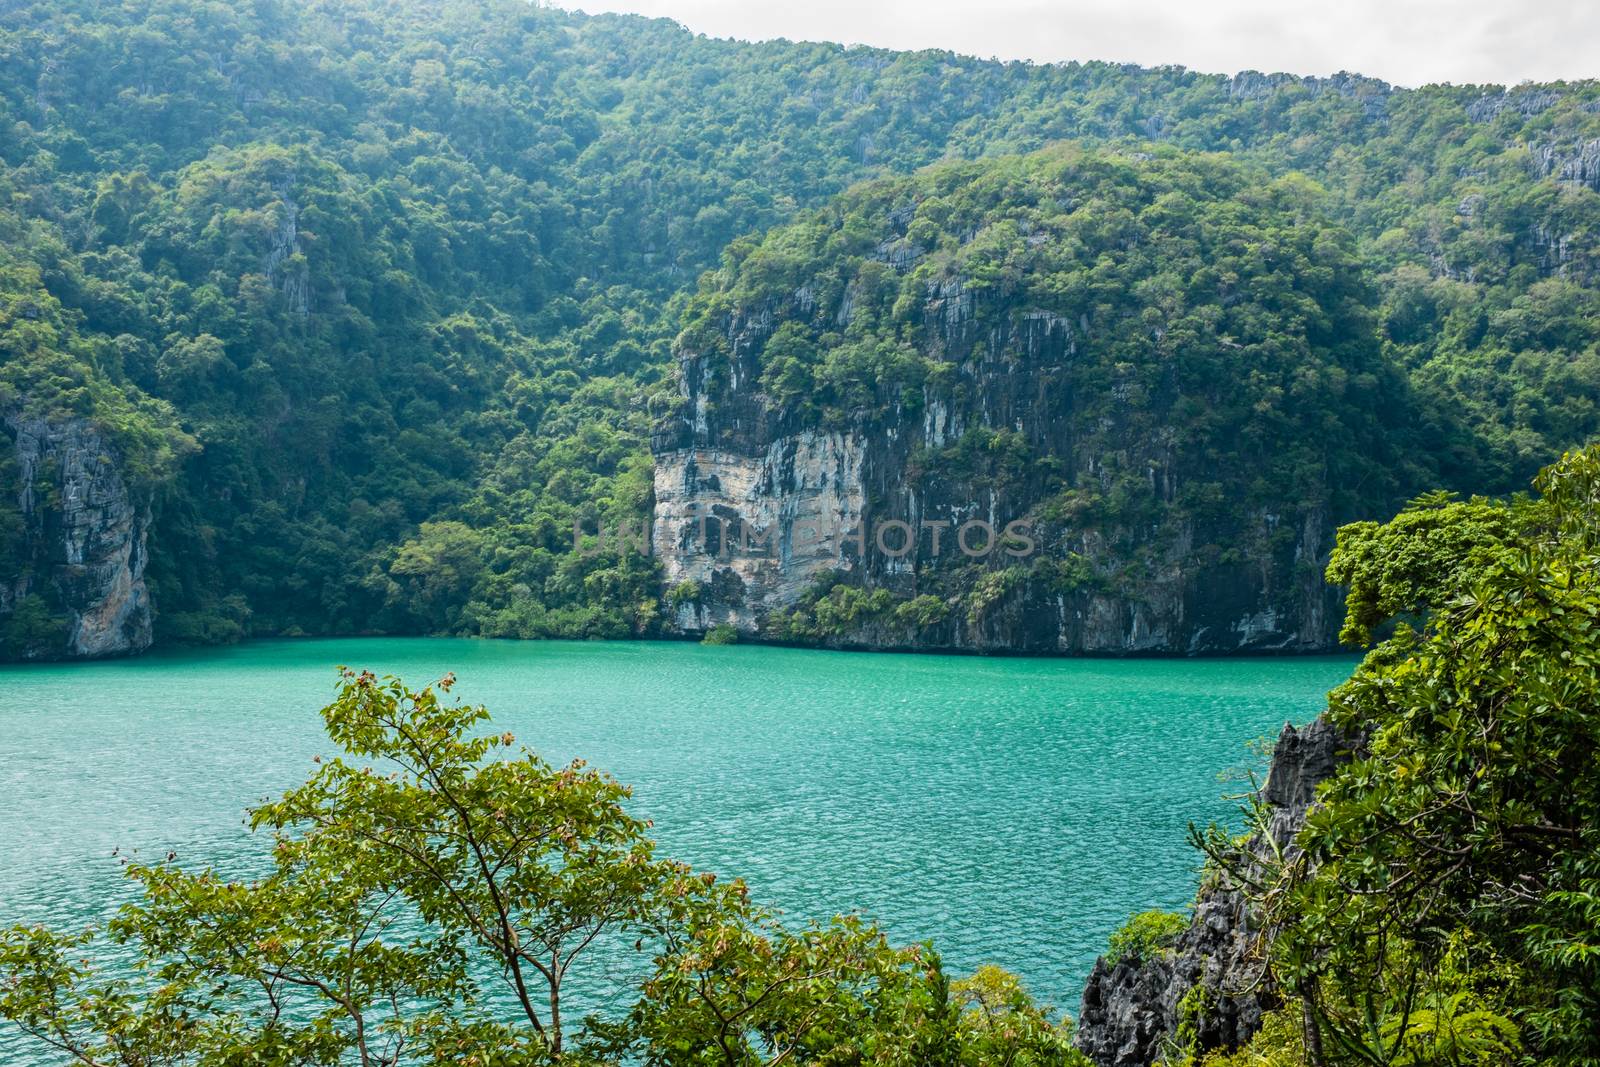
805, 482
1525, 100
1573, 164
79, 546
1211, 981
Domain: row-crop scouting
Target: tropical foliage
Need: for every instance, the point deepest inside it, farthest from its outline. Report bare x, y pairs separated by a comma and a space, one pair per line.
1444, 907
357, 286
1144, 936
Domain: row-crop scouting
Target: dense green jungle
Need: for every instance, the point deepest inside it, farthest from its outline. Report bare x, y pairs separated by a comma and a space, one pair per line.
367, 303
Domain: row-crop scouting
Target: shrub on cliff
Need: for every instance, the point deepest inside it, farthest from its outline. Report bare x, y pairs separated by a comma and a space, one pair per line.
1144, 936
721, 634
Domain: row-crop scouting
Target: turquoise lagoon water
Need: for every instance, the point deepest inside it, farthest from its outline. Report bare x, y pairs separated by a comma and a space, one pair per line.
1015, 811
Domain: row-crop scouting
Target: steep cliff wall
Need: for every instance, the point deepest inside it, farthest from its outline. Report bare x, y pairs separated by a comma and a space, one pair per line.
1212, 977
811, 499
895, 397
75, 583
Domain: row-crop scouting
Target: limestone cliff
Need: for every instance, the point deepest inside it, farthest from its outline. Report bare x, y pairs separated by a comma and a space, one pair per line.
1132, 1011
1176, 448
730, 468
76, 556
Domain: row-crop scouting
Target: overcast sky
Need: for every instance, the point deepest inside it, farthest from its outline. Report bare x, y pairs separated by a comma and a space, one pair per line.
1408, 42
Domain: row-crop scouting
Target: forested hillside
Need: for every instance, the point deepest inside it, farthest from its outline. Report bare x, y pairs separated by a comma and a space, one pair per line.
364, 303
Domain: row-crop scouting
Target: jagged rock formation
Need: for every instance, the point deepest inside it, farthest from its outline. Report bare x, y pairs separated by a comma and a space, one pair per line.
801, 482
1574, 164
79, 545
1213, 975
1525, 100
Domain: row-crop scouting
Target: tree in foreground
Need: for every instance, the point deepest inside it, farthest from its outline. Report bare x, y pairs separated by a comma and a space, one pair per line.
1445, 905
433, 897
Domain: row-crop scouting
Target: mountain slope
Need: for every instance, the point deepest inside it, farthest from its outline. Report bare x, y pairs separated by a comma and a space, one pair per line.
408, 275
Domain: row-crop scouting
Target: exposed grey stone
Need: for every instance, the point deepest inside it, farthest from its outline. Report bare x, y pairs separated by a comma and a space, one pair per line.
1526, 100
1576, 164
1131, 1012
84, 534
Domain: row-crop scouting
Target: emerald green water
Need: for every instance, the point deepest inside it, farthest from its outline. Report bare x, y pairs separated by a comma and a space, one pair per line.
1013, 810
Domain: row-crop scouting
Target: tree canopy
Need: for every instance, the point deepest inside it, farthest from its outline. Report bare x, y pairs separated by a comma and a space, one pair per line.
1440, 907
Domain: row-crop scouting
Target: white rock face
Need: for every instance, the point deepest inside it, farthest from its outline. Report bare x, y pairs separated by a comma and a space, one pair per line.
86, 536
764, 525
